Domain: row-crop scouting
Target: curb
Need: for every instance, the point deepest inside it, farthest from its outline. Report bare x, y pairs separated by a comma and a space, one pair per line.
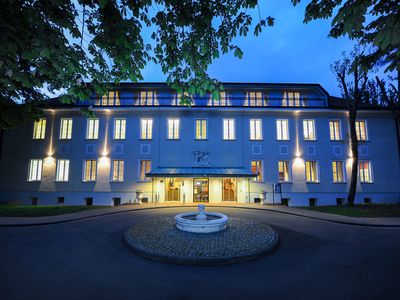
223, 206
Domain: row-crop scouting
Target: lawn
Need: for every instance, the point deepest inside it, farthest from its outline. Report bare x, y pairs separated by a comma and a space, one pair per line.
363, 211
41, 211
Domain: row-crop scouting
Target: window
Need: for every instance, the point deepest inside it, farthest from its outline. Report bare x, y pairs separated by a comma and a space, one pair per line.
177, 99
311, 171
365, 171
255, 129
309, 130
222, 101
145, 167
65, 129
173, 129
292, 99
256, 168
62, 170
117, 171
254, 99
201, 129
282, 130
229, 129
146, 131
119, 129
361, 130
92, 129
35, 170
283, 171
334, 130
110, 99
39, 129
338, 171
148, 98
90, 168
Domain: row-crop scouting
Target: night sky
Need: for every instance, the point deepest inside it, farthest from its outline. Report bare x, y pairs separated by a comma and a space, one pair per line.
288, 52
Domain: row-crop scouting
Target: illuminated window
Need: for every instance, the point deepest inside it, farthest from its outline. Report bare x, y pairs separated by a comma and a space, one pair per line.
283, 171
229, 129
312, 171
282, 130
148, 98
35, 170
110, 99
338, 171
177, 99
119, 129
145, 167
65, 129
255, 129
92, 129
292, 99
222, 101
256, 168
90, 170
173, 129
254, 99
334, 130
117, 171
365, 171
309, 130
62, 172
39, 129
146, 129
201, 129
361, 130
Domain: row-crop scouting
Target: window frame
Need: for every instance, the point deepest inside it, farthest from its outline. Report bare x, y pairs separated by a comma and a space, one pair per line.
201, 138
120, 131
38, 170
260, 177
255, 138
280, 132
370, 172
95, 133
147, 95
145, 178
343, 169
39, 129
365, 129
175, 130
84, 173
231, 132
288, 101
68, 131
146, 129
289, 173
119, 172
255, 101
314, 129
340, 138
65, 169
316, 170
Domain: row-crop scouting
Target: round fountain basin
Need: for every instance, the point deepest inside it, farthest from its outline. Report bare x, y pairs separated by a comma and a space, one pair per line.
215, 222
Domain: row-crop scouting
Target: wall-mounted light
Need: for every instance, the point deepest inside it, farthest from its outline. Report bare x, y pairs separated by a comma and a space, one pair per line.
104, 161
49, 160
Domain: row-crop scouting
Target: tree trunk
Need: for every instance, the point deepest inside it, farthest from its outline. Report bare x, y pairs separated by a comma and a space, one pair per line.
354, 150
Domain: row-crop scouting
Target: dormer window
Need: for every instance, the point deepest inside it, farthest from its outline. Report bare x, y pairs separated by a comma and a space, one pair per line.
177, 99
148, 98
293, 99
222, 101
111, 98
254, 98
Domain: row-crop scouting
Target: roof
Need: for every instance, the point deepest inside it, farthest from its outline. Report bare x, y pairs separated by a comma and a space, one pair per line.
201, 172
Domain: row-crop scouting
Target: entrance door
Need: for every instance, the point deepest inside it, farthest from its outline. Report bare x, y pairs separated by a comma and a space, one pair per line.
229, 189
200, 190
173, 189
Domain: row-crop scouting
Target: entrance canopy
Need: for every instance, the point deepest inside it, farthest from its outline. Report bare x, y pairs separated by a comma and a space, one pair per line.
201, 172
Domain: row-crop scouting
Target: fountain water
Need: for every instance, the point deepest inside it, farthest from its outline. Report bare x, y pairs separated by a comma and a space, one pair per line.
201, 221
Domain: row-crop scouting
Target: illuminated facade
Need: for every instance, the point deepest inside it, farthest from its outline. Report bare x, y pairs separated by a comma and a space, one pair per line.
284, 142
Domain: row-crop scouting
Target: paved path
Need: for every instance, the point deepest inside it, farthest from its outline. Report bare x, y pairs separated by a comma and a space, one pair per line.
29, 221
87, 259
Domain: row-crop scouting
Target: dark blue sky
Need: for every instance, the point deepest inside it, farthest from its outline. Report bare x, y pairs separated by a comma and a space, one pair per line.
290, 51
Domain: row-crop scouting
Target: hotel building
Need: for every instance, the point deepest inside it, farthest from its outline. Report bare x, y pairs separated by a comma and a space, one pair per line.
281, 143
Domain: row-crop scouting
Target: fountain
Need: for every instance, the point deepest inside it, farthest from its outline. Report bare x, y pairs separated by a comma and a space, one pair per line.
201, 221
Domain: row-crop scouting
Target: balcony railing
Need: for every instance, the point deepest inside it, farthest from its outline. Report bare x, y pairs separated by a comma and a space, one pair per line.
231, 101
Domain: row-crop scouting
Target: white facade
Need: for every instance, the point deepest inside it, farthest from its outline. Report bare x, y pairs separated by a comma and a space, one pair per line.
75, 161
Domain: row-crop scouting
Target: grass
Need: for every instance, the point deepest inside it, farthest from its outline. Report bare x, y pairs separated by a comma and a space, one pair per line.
363, 211
41, 210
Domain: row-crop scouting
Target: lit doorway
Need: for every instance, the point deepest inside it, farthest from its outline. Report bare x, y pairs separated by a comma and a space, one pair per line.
173, 189
200, 190
229, 189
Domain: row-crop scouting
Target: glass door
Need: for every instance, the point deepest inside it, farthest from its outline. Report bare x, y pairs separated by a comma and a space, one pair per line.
229, 189
200, 190
173, 189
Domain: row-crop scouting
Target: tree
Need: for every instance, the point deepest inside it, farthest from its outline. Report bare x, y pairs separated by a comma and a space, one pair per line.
54, 46
372, 22
353, 81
